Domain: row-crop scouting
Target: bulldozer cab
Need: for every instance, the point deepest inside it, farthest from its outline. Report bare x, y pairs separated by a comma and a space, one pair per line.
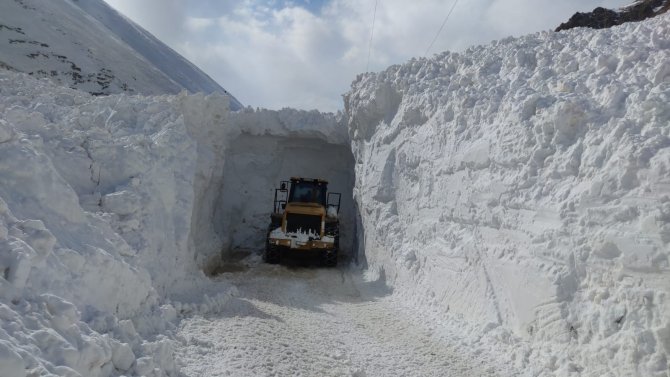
305, 190
308, 191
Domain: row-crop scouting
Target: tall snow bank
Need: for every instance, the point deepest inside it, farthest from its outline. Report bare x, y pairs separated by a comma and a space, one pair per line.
93, 192
110, 207
524, 187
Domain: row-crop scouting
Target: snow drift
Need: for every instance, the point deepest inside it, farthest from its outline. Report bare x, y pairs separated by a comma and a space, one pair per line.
524, 188
110, 207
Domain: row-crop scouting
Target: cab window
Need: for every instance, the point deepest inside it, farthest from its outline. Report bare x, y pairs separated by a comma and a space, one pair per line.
308, 192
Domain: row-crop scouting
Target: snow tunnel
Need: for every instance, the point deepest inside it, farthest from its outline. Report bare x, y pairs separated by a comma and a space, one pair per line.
240, 202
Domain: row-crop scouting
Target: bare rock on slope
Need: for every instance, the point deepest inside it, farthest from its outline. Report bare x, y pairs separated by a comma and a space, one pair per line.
601, 18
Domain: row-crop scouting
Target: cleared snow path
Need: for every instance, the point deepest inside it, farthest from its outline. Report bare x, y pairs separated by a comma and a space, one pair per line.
289, 321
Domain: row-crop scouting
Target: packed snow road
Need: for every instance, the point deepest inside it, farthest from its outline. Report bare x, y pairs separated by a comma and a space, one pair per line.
293, 321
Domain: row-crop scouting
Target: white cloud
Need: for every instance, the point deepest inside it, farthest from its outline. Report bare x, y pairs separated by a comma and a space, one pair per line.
274, 56
197, 25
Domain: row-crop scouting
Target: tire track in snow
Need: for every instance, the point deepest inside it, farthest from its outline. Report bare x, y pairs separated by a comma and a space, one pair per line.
316, 322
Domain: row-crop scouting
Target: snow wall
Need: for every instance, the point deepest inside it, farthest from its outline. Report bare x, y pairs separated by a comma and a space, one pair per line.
110, 208
524, 188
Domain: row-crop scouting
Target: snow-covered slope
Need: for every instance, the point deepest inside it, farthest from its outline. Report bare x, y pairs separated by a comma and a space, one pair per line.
89, 46
180, 70
524, 188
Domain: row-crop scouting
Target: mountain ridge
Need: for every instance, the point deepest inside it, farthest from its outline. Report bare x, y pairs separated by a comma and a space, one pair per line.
601, 18
87, 45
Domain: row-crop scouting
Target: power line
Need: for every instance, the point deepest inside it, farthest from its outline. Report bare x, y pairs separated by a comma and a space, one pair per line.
372, 32
441, 27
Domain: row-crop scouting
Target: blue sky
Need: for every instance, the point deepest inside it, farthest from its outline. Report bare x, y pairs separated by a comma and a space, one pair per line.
305, 53
313, 6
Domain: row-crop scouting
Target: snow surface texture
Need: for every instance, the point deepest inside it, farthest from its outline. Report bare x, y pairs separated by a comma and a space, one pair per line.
321, 322
74, 238
107, 212
89, 46
524, 187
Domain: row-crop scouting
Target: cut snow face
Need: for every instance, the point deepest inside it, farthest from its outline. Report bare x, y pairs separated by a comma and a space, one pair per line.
253, 169
233, 206
91, 198
524, 186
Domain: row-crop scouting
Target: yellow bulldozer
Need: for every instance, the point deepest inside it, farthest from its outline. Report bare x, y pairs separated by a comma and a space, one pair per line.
305, 219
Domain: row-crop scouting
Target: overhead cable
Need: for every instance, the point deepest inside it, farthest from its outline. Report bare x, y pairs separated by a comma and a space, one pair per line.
372, 32
441, 27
